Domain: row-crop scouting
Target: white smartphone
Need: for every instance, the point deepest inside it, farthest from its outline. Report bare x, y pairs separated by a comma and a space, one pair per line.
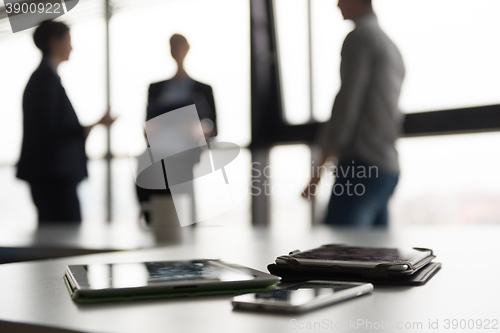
302, 297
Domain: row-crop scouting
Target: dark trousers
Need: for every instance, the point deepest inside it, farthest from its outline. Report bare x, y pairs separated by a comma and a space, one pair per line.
56, 200
360, 199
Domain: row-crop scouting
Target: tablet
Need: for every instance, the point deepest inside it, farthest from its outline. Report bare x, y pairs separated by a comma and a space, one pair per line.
361, 257
161, 277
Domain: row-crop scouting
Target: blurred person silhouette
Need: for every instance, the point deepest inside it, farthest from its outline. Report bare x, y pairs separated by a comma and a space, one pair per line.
364, 124
179, 91
53, 159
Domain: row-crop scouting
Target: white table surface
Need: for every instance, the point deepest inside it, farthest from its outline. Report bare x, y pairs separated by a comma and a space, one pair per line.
467, 287
60, 240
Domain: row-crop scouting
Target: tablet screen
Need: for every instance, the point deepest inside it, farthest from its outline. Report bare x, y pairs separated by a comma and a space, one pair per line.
130, 275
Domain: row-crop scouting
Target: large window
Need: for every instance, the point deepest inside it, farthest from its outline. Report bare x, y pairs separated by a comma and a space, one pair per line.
84, 80
219, 34
449, 47
219, 37
449, 179
450, 51
309, 39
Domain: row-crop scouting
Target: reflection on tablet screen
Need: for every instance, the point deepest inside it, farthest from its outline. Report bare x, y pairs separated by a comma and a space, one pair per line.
101, 276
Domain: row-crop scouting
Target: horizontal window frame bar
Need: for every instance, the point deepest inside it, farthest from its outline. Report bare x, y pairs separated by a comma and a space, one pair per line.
478, 119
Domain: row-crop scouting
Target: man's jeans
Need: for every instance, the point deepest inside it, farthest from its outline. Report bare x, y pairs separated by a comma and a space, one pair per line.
359, 199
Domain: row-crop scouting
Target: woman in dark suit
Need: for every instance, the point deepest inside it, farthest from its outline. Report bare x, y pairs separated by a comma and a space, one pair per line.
179, 91
53, 159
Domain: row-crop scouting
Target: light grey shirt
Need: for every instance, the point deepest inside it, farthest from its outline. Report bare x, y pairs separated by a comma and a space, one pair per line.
366, 120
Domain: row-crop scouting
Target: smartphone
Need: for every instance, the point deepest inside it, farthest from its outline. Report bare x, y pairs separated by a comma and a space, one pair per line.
302, 297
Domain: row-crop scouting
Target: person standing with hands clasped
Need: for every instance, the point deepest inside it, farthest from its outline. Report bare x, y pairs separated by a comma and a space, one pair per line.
172, 94
53, 159
365, 123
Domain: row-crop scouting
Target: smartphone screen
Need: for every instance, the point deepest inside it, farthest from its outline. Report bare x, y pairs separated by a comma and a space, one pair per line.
295, 296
